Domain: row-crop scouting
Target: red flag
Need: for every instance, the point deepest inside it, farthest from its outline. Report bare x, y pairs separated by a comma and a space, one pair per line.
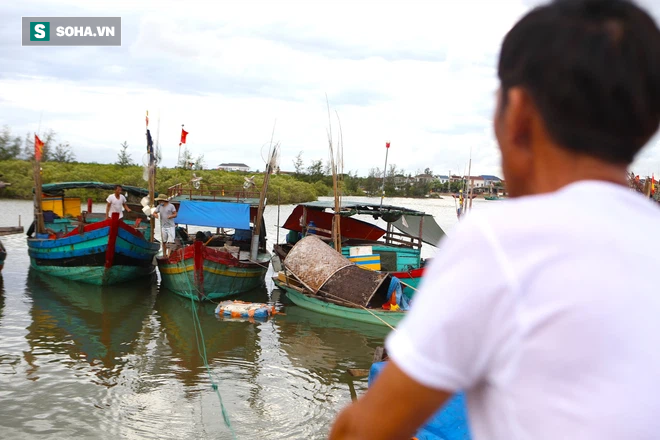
184, 133
38, 147
387, 145
652, 184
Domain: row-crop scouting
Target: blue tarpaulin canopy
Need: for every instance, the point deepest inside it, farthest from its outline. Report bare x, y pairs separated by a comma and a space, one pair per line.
214, 214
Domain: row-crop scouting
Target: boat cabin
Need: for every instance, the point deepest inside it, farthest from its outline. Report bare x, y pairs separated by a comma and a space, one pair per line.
63, 213
394, 249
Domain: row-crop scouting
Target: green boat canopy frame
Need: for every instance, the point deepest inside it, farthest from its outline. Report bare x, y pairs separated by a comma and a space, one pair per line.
58, 189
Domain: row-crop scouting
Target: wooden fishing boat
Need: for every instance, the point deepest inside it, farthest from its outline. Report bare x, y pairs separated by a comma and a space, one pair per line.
493, 198
368, 245
303, 299
318, 278
87, 247
224, 264
3, 255
220, 266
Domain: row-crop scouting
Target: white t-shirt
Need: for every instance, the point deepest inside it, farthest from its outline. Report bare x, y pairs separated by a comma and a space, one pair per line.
116, 204
544, 309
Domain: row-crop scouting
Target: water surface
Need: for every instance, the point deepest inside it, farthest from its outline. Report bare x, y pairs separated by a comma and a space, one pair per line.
123, 362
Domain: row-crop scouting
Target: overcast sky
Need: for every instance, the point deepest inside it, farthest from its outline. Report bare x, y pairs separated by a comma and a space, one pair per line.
419, 74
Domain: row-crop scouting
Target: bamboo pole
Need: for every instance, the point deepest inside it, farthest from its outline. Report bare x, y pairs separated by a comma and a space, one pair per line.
39, 215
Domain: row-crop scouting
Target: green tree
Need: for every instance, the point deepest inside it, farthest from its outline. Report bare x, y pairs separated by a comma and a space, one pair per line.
62, 153
199, 162
372, 182
186, 159
299, 164
10, 148
315, 170
123, 158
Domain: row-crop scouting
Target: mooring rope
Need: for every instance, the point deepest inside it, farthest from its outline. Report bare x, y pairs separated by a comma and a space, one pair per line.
199, 337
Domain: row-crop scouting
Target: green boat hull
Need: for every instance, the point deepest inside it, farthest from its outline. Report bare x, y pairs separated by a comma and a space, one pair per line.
219, 279
378, 317
96, 275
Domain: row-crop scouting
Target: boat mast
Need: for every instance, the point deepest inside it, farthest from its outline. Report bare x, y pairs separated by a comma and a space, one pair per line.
387, 150
39, 215
272, 158
335, 162
470, 177
152, 178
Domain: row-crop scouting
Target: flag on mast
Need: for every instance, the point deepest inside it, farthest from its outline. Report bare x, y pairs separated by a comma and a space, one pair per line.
38, 147
147, 118
184, 133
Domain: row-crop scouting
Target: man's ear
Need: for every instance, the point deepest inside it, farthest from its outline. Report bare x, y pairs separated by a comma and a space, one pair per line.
517, 122
519, 117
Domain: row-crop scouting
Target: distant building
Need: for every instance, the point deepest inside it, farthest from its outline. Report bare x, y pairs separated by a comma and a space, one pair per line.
442, 179
488, 179
423, 178
233, 167
476, 181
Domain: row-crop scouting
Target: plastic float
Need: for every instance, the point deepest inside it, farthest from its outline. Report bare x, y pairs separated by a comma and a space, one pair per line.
241, 309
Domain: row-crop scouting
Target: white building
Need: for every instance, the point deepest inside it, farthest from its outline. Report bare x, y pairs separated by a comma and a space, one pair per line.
233, 167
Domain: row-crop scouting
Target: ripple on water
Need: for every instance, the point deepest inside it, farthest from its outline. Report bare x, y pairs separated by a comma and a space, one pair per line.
123, 362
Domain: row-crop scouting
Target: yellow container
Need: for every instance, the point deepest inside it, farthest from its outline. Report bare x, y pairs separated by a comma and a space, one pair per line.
371, 262
62, 206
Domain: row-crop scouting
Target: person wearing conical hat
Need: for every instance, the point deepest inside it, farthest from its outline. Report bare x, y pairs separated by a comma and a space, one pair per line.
166, 212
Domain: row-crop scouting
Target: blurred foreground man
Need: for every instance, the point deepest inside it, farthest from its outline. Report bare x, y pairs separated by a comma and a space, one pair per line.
546, 310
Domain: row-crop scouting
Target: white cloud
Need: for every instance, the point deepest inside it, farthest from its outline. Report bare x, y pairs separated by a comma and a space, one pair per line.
420, 74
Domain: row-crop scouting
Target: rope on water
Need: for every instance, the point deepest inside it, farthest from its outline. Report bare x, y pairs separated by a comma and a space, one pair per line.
359, 306
201, 349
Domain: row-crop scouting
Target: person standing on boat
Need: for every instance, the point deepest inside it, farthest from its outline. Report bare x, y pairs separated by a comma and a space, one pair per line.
116, 203
558, 335
166, 212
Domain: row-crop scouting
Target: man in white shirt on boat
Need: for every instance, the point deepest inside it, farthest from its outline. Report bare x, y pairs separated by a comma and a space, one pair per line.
116, 203
545, 309
166, 212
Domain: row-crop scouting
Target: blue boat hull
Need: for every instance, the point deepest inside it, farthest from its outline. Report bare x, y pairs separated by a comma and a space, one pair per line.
104, 254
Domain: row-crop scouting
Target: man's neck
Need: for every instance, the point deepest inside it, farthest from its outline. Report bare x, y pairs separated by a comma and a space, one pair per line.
558, 168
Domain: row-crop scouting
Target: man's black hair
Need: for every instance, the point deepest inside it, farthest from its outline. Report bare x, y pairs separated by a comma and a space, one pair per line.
118, 186
592, 68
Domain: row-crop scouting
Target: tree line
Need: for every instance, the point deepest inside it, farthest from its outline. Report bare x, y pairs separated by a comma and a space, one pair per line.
17, 147
398, 182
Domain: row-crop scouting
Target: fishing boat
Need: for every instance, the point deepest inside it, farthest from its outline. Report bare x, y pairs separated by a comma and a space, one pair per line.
213, 266
493, 198
318, 278
3, 255
86, 246
395, 250
232, 261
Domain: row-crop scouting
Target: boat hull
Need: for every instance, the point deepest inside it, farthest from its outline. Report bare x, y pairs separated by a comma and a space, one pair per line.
204, 273
409, 278
105, 253
379, 317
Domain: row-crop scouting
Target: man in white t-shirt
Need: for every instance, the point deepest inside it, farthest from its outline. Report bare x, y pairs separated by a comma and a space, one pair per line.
166, 212
544, 309
116, 203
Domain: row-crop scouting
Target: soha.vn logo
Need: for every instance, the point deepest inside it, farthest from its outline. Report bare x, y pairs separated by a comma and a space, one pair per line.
39, 31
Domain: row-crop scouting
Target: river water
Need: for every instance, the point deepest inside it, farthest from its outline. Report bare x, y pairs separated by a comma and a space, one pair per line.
87, 362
